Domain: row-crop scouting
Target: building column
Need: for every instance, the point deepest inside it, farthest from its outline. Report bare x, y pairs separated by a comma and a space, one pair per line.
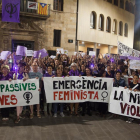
95, 46
109, 49
112, 1
77, 46
119, 3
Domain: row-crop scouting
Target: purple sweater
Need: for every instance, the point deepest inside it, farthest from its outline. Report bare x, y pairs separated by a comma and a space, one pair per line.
74, 73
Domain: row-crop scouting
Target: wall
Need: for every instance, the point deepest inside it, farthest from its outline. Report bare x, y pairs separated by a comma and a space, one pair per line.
62, 20
107, 9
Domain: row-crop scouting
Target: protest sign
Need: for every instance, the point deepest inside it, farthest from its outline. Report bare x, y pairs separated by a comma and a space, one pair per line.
32, 5
134, 64
30, 52
77, 89
11, 10
125, 102
5, 54
21, 50
35, 54
91, 53
60, 51
66, 52
123, 50
75, 53
53, 56
17, 57
42, 53
19, 93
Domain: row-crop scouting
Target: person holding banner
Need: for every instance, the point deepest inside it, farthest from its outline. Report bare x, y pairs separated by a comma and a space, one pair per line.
74, 72
5, 76
55, 105
134, 86
49, 74
87, 104
20, 75
37, 75
119, 82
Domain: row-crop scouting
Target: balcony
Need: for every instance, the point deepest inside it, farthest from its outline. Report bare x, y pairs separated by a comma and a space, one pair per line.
28, 13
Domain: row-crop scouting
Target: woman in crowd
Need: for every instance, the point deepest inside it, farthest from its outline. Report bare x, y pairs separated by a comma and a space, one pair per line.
5, 76
74, 72
20, 75
87, 104
55, 105
134, 86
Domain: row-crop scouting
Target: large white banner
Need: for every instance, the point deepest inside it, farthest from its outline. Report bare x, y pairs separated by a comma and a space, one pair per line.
123, 50
77, 89
124, 102
19, 93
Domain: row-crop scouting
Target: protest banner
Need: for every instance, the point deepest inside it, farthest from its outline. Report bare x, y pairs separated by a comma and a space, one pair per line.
19, 93
134, 64
77, 89
66, 52
125, 102
11, 11
123, 50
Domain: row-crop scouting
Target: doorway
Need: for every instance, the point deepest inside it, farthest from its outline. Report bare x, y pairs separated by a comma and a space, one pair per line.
28, 44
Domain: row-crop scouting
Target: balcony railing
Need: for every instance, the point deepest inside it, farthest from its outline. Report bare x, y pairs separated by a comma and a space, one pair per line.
24, 11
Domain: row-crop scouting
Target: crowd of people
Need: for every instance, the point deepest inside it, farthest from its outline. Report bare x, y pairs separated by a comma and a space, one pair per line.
77, 65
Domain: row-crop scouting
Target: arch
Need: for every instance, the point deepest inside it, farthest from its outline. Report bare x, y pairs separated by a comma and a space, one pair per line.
116, 2
126, 30
127, 6
114, 29
108, 24
110, 1
120, 28
131, 8
93, 17
122, 4
101, 22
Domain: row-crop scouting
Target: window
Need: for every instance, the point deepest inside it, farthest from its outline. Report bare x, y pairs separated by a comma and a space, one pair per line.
109, 1
57, 38
58, 5
115, 26
121, 28
116, 2
122, 4
127, 6
108, 24
126, 30
131, 8
101, 22
93, 20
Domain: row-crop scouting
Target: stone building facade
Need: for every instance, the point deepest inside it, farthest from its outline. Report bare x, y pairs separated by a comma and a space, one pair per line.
37, 31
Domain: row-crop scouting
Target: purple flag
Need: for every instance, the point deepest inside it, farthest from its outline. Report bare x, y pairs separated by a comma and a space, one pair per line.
21, 50
5, 54
35, 54
11, 10
43, 53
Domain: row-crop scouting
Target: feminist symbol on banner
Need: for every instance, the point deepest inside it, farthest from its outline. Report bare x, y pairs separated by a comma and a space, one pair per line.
11, 8
104, 95
27, 96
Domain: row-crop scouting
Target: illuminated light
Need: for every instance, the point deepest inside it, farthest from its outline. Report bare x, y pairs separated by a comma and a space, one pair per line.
83, 42
92, 66
99, 44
